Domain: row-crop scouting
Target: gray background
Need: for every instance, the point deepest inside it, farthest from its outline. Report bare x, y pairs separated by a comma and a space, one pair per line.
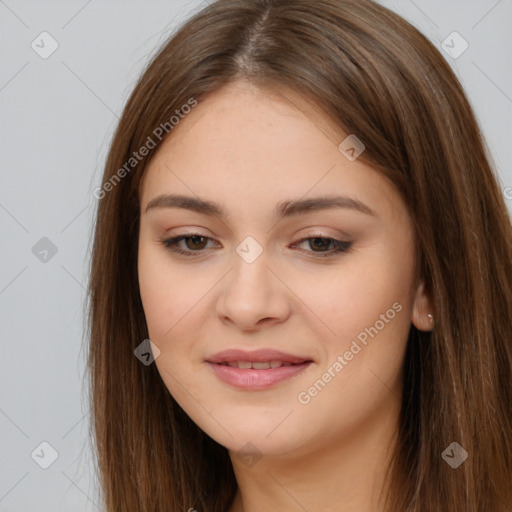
58, 115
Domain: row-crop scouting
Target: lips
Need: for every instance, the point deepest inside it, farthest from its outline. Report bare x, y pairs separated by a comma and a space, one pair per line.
257, 369
256, 356
256, 365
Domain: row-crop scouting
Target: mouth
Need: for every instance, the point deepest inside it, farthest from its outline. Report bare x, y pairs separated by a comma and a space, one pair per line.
265, 365
255, 370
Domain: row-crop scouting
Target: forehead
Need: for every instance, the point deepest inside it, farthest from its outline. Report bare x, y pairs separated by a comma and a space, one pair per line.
257, 146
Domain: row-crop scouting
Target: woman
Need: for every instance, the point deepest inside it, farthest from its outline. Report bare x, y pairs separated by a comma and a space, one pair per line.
298, 211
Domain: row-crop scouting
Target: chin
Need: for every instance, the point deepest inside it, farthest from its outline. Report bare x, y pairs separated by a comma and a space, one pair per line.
267, 436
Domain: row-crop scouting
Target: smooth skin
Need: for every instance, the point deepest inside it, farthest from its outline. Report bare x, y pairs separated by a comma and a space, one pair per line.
248, 149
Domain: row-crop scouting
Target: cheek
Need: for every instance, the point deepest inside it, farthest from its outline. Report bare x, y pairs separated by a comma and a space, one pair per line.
168, 299
347, 298
160, 291
366, 307
176, 299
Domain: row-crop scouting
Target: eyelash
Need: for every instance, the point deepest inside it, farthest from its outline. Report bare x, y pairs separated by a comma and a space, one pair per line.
171, 244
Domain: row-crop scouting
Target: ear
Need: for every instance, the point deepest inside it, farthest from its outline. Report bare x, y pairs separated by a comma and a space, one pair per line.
422, 306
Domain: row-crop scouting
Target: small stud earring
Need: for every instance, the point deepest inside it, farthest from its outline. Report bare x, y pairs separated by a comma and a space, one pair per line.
430, 317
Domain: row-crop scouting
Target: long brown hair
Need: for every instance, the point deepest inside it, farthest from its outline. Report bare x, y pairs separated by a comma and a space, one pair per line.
377, 77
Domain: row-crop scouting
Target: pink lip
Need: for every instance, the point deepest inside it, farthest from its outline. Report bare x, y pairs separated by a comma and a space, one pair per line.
251, 379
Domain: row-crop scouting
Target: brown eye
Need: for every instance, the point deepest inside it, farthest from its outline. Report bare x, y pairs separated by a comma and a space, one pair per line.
321, 243
196, 242
325, 246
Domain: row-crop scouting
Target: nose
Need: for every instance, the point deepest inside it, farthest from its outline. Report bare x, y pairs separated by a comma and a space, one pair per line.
253, 296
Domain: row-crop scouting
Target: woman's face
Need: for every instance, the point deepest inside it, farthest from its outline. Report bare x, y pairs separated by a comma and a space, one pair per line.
262, 273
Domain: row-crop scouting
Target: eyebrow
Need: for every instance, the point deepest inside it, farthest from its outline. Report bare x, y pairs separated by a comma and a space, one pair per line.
282, 209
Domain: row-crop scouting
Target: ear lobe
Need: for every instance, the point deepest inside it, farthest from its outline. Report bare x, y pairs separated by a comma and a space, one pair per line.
422, 308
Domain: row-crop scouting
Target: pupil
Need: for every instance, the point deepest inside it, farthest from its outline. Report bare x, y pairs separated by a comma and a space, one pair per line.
322, 240
194, 240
